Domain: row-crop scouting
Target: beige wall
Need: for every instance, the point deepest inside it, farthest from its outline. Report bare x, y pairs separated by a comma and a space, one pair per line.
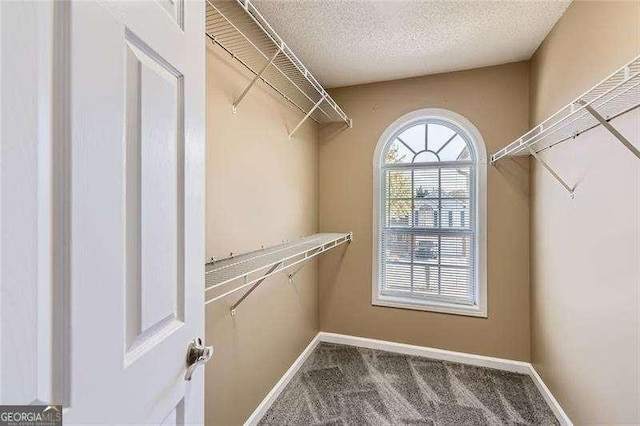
585, 252
495, 99
262, 188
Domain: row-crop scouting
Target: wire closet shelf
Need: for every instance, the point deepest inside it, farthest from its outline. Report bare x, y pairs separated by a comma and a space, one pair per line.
238, 28
617, 94
252, 268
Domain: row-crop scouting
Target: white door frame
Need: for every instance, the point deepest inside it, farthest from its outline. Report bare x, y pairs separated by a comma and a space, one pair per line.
35, 199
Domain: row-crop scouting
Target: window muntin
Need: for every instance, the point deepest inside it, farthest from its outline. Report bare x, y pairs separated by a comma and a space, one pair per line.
427, 233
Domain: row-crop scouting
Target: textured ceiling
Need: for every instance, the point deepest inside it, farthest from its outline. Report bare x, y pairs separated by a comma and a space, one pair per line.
359, 41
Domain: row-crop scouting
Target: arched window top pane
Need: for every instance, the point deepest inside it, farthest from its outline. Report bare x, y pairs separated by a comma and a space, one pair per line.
428, 142
398, 153
414, 137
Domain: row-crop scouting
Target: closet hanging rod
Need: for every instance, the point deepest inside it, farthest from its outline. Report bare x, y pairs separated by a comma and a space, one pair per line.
243, 32
263, 80
258, 74
251, 267
615, 95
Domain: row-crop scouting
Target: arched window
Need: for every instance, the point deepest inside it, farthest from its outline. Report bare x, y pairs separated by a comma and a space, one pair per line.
430, 215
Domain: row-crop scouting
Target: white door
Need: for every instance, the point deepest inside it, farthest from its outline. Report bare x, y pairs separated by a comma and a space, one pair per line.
119, 295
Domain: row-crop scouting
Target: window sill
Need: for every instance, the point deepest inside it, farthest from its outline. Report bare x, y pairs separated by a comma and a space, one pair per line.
430, 306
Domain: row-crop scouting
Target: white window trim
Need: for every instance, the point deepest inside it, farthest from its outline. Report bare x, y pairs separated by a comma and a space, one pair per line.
479, 309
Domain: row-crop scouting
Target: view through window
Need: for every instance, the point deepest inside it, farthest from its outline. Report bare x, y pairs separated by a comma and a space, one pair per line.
427, 235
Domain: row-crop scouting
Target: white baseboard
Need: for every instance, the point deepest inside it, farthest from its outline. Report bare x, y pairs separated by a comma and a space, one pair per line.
548, 396
277, 389
440, 354
402, 348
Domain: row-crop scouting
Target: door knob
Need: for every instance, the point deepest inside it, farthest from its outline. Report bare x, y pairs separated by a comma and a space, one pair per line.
197, 354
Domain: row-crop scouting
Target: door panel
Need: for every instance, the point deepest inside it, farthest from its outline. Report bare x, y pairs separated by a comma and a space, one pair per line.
154, 163
137, 132
175, 8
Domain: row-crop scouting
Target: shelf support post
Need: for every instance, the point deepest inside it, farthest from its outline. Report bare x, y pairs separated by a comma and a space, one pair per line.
610, 128
258, 76
253, 287
308, 115
550, 170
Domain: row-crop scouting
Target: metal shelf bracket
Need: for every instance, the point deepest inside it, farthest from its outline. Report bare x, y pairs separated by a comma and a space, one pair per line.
552, 172
605, 123
254, 286
324, 95
257, 77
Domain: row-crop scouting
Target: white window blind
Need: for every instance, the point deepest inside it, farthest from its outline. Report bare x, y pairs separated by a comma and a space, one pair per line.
427, 235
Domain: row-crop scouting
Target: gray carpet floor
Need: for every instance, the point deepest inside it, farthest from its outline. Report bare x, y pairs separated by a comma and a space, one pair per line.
346, 385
